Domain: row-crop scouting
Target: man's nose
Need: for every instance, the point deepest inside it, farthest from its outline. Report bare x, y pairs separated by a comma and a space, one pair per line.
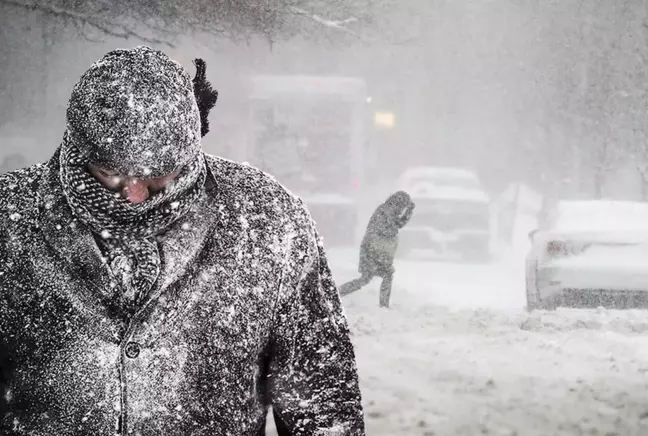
136, 191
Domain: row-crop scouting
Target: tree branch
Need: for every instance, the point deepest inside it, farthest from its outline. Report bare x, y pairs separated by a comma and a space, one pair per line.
82, 31
334, 24
105, 26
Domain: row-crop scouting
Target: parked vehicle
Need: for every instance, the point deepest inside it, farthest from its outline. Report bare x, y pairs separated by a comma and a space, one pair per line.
589, 254
308, 132
452, 216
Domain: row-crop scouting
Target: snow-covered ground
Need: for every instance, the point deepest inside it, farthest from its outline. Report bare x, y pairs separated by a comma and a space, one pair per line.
458, 355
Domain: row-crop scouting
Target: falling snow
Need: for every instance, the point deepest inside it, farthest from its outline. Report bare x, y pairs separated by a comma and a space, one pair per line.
192, 313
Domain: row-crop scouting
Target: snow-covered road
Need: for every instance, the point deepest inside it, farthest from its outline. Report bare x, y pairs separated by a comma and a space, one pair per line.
458, 355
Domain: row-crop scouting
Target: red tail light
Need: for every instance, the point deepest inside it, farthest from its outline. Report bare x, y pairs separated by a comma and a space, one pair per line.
556, 248
565, 248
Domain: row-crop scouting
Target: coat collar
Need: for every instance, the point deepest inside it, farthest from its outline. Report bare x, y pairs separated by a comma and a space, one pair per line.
212, 220
74, 247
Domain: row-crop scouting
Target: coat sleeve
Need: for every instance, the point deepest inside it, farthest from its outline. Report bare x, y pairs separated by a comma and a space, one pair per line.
407, 215
5, 365
312, 381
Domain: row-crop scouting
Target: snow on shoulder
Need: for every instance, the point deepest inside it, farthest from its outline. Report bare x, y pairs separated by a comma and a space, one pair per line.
18, 193
260, 196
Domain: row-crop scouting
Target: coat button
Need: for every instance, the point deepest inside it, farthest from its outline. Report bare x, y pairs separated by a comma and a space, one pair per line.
132, 350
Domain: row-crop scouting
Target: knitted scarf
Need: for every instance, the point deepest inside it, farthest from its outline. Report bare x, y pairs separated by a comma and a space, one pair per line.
126, 232
138, 113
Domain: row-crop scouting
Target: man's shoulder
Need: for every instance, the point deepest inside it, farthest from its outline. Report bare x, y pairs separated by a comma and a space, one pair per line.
260, 201
19, 198
18, 191
252, 185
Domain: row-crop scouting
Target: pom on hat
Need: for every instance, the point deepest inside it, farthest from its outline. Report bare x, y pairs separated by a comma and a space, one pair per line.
206, 96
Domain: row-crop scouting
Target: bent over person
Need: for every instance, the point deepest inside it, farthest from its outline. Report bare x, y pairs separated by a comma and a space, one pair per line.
149, 289
379, 245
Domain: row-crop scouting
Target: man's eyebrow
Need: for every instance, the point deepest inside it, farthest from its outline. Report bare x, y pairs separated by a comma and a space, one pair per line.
103, 170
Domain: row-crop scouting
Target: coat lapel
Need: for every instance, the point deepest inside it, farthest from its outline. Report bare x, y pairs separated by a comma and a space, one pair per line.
209, 229
75, 250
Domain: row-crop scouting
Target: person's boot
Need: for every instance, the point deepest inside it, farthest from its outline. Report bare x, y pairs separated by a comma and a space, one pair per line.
385, 292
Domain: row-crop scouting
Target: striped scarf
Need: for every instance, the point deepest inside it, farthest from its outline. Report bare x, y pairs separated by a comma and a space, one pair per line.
126, 232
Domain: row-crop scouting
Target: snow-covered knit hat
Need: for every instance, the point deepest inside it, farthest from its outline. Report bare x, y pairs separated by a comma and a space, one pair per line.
138, 113
134, 112
399, 200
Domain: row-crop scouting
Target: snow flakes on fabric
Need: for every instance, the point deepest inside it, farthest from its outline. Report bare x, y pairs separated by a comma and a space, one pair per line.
109, 214
244, 315
230, 306
133, 112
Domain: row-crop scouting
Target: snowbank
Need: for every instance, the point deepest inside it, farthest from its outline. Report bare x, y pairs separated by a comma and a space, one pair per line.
432, 371
458, 355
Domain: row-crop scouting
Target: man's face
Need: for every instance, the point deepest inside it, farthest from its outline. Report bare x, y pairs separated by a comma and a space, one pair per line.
135, 190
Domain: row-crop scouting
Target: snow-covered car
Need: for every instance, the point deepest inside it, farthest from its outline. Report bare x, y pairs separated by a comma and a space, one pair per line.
452, 215
589, 253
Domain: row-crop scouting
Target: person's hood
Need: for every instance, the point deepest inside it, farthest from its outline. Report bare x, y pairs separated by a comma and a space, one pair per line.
398, 201
134, 112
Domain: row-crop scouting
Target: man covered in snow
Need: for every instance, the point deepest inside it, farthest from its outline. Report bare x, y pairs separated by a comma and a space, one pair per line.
379, 245
149, 289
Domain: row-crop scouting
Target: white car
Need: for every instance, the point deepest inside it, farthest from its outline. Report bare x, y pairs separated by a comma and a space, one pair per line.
589, 254
452, 215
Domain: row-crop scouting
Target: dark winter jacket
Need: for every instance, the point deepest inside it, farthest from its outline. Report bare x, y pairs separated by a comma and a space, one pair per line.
380, 241
244, 315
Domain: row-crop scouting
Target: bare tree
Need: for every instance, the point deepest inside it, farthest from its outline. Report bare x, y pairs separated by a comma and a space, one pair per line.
161, 22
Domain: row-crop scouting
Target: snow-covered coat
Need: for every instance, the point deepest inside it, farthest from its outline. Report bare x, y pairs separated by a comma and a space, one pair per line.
245, 314
380, 241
